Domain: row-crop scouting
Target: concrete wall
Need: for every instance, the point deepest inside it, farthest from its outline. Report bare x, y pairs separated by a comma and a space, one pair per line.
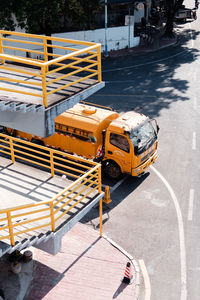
117, 38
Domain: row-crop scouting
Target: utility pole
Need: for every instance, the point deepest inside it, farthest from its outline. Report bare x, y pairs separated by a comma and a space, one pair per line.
106, 27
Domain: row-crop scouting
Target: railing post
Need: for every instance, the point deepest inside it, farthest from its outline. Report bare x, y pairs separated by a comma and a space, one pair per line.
52, 217
100, 217
1, 48
45, 53
99, 63
44, 86
12, 150
10, 227
99, 179
52, 163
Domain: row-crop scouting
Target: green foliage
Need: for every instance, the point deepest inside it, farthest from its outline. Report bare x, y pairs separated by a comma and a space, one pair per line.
48, 16
6, 18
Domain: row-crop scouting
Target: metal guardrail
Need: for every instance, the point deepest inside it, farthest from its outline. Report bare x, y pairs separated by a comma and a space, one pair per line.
22, 219
85, 62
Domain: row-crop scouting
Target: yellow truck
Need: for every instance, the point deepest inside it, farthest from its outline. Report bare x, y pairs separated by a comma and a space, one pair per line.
124, 143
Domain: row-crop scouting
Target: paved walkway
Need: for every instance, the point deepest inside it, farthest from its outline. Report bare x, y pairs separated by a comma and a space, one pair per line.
87, 267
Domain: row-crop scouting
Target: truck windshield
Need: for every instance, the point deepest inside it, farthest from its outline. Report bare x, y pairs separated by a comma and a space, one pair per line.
143, 137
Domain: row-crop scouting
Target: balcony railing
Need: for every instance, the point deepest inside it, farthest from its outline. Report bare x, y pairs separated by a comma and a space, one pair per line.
41, 68
16, 221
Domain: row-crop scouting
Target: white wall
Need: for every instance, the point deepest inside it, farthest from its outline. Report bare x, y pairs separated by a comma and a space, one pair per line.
117, 38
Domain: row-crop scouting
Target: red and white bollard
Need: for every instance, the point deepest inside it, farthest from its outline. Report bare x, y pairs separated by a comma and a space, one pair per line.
128, 277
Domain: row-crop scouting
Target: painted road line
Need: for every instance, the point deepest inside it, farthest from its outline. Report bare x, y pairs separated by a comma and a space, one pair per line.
146, 280
112, 188
195, 76
118, 184
181, 236
191, 204
195, 103
144, 64
194, 141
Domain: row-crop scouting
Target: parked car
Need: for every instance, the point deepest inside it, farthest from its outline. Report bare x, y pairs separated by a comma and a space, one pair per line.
185, 13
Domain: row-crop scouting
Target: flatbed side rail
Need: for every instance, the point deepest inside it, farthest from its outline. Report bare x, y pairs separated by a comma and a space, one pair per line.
51, 64
18, 220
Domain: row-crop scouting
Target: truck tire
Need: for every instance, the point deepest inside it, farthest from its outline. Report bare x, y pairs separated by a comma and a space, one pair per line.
113, 170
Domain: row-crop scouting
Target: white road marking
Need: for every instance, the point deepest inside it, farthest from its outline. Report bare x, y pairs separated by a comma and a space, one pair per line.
112, 188
146, 280
191, 35
144, 64
118, 183
181, 236
191, 204
194, 141
195, 76
195, 103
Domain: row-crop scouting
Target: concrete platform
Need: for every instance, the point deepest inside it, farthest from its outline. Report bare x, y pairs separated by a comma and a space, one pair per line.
27, 113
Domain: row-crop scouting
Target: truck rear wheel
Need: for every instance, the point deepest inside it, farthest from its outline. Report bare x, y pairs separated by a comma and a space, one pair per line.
113, 170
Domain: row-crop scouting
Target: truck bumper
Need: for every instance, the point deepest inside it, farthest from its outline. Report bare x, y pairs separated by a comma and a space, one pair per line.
142, 168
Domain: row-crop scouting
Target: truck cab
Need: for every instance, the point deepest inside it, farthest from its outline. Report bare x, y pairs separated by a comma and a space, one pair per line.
130, 145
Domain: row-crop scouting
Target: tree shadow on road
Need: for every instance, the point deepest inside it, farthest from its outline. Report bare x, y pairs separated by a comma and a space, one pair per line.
149, 82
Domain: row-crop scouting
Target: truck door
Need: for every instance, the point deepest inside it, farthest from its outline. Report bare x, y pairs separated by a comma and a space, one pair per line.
119, 149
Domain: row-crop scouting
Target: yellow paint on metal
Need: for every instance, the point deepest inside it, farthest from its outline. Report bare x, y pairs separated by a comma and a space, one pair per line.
1, 47
90, 54
100, 217
10, 226
48, 213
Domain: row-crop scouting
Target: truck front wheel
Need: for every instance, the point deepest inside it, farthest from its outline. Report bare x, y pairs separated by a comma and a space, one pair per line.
113, 170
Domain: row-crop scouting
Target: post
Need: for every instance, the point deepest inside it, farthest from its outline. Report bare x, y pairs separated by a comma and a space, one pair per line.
10, 227
12, 150
1, 49
99, 63
100, 217
52, 163
44, 86
106, 27
52, 217
146, 10
99, 180
45, 53
129, 30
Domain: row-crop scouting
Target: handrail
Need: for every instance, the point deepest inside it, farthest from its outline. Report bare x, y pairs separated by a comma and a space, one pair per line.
78, 59
47, 212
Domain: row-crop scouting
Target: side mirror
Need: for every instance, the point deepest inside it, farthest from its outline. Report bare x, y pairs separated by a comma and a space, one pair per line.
158, 128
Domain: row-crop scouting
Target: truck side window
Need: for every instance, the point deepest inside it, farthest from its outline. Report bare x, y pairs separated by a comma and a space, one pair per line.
120, 142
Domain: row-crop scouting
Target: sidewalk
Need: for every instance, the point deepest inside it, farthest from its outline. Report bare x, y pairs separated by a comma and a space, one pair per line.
141, 49
87, 267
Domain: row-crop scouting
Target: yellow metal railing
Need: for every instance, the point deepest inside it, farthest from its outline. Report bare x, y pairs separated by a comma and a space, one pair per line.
82, 59
18, 220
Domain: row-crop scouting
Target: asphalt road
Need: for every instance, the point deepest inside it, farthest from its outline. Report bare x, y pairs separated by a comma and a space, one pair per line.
156, 218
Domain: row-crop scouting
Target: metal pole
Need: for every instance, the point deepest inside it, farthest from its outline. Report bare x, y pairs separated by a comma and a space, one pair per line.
100, 217
106, 26
129, 31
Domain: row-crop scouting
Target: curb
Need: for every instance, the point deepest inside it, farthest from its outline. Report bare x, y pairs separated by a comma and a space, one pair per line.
139, 52
133, 261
